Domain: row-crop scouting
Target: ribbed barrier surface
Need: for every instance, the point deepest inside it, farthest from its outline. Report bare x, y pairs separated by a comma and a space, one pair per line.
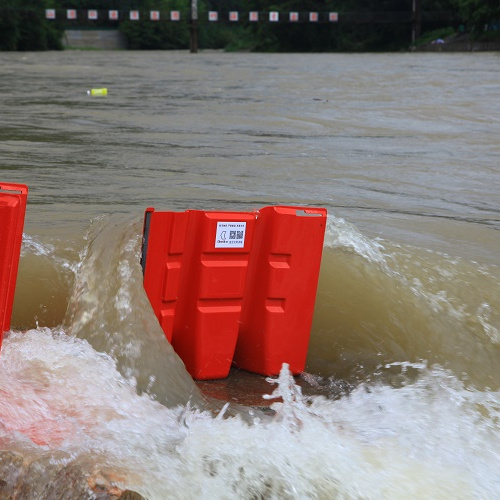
234, 286
281, 290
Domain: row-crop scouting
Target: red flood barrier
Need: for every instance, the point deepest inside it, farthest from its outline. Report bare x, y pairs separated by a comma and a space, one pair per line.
13, 198
195, 266
234, 286
281, 290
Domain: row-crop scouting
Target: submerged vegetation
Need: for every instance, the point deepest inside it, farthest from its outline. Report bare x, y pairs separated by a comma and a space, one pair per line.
363, 25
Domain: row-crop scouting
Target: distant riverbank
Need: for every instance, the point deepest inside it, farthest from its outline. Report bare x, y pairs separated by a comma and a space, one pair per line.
458, 43
115, 40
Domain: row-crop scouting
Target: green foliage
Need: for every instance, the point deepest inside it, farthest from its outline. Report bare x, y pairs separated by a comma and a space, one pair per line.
145, 35
9, 28
479, 15
429, 36
163, 35
23, 26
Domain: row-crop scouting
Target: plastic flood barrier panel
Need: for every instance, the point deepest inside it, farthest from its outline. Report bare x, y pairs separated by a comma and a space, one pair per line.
13, 198
280, 292
234, 286
195, 265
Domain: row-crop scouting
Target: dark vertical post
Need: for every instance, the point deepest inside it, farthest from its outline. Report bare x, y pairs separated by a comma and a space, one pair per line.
416, 21
193, 41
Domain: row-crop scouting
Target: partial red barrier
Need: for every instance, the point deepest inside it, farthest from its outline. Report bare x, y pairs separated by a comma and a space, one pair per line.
281, 289
195, 266
13, 199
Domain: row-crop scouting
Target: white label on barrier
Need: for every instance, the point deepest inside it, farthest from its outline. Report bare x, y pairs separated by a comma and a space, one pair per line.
230, 234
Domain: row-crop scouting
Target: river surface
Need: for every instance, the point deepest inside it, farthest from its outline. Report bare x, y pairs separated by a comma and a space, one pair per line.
400, 397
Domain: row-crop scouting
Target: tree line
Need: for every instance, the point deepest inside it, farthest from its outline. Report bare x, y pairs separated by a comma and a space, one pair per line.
363, 25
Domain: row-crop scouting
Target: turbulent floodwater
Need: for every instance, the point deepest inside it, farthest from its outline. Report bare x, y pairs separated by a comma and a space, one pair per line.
400, 397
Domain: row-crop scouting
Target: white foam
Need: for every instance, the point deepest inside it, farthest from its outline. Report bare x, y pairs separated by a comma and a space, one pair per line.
432, 438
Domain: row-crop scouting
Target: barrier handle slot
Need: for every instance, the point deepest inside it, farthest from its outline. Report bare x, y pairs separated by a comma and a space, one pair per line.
304, 213
13, 188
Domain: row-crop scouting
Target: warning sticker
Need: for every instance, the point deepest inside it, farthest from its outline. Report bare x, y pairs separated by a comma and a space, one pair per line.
230, 234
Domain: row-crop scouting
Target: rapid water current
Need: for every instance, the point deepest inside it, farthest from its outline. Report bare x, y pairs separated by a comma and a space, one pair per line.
400, 397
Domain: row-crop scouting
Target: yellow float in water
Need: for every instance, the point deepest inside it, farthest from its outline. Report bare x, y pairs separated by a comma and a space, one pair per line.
97, 92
